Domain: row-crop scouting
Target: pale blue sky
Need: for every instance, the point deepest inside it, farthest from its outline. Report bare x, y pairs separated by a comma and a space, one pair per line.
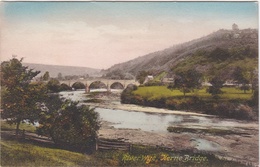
100, 34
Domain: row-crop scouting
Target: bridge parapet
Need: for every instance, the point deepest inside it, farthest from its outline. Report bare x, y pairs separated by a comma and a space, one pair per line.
107, 82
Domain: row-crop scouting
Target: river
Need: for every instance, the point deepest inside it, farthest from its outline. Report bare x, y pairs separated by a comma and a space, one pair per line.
150, 120
148, 126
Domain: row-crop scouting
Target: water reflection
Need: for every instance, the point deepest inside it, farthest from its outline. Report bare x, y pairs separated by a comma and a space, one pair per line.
139, 120
153, 121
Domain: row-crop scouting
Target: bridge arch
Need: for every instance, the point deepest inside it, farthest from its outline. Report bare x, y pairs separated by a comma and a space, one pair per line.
78, 85
97, 85
117, 85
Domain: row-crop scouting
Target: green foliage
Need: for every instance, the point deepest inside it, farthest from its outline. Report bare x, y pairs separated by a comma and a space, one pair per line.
160, 76
140, 77
27, 127
219, 55
153, 83
217, 83
54, 85
78, 85
14, 153
187, 81
127, 94
233, 110
255, 98
20, 97
240, 77
70, 125
210, 64
118, 74
199, 100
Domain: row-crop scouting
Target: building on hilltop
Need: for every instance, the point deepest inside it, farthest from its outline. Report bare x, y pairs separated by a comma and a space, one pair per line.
235, 27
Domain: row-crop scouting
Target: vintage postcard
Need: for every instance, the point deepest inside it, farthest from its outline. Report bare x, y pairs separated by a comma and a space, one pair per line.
105, 83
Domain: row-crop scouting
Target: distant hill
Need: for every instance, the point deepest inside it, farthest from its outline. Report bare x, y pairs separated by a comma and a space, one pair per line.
64, 70
168, 59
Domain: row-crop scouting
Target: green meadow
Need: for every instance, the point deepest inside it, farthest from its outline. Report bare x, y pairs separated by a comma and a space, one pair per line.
157, 92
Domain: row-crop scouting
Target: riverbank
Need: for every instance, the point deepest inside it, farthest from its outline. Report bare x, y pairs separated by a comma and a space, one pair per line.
112, 101
34, 150
241, 146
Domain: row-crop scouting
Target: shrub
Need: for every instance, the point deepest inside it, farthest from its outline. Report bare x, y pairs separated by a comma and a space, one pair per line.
53, 85
126, 96
72, 126
225, 109
171, 104
244, 112
231, 110
255, 98
153, 83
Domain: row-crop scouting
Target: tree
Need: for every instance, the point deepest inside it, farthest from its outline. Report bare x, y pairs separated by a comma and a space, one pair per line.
219, 54
53, 85
46, 76
70, 125
187, 81
240, 77
217, 83
59, 76
20, 97
141, 76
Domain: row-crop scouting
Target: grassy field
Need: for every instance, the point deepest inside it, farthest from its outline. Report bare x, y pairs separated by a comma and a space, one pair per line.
17, 153
156, 92
27, 127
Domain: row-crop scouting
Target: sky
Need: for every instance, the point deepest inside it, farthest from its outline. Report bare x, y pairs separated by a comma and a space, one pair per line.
101, 34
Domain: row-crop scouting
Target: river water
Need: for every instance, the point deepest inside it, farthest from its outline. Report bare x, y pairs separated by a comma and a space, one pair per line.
154, 122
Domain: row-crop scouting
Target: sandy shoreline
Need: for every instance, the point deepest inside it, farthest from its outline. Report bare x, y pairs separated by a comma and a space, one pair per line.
130, 107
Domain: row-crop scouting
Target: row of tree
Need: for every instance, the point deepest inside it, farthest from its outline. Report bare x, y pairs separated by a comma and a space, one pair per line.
46, 77
65, 121
188, 80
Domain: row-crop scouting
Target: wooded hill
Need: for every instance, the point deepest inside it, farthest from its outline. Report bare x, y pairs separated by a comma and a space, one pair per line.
218, 50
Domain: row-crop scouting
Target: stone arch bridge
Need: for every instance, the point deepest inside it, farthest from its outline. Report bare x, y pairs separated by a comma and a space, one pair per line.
97, 83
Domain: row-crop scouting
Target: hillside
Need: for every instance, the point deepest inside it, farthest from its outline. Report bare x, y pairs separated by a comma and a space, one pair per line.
169, 58
64, 70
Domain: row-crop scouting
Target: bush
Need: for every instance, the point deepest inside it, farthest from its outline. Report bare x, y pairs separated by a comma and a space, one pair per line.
72, 126
225, 109
244, 112
153, 83
231, 110
53, 85
126, 96
255, 98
